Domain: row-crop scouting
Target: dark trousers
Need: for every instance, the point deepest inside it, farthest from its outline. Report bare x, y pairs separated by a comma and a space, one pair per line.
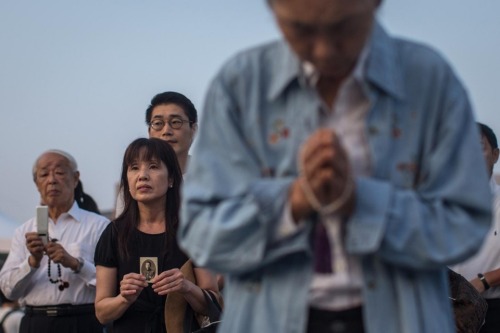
37, 322
348, 321
492, 320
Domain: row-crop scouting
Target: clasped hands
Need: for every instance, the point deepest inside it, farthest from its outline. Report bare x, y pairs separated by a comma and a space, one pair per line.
55, 251
325, 183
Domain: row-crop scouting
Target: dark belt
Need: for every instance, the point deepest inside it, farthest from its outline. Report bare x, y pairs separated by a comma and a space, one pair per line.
60, 310
336, 321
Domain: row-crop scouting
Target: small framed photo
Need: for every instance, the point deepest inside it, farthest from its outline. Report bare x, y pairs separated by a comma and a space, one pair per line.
148, 267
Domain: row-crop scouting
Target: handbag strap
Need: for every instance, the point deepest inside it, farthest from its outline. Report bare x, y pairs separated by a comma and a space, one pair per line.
214, 308
214, 312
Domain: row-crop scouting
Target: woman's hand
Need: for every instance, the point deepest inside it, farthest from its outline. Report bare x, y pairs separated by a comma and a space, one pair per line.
131, 286
170, 281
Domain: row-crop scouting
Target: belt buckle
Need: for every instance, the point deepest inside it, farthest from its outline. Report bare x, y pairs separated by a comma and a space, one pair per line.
51, 312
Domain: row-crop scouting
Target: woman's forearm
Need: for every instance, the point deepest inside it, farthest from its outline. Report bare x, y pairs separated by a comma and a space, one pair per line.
111, 308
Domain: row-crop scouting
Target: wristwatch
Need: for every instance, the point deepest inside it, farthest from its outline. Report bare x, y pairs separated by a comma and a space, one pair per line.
81, 262
483, 280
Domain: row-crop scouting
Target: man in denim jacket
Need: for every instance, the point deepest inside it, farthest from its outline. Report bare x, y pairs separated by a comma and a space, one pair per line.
339, 132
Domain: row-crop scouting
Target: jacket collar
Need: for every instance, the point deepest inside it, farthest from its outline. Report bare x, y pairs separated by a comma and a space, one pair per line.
75, 212
380, 68
285, 67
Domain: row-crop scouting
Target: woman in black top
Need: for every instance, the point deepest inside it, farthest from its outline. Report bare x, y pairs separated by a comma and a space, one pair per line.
141, 243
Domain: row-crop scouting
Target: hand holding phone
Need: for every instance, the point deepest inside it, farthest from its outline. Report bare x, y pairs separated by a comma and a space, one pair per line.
42, 223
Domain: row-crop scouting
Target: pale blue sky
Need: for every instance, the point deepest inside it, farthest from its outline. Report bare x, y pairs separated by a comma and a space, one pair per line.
78, 76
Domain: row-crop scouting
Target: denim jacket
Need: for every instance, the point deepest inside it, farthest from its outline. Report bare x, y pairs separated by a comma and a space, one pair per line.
426, 204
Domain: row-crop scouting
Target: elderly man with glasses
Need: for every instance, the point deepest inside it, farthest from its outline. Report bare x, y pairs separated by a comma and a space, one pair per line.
55, 280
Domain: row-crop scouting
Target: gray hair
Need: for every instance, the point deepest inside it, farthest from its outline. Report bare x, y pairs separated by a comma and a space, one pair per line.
71, 160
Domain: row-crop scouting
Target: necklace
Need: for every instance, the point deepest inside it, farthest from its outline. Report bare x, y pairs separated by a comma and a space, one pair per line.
62, 284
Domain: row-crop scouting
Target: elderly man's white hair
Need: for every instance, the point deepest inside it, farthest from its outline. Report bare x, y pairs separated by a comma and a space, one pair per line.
71, 160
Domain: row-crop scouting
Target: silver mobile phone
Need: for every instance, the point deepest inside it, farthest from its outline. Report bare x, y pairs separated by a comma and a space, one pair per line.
42, 223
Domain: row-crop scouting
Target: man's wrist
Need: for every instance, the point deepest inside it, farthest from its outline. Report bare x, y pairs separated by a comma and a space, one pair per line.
33, 262
79, 264
299, 206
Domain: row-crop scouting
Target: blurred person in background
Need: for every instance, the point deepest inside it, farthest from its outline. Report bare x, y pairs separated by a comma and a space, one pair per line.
483, 269
336, 176
10, 315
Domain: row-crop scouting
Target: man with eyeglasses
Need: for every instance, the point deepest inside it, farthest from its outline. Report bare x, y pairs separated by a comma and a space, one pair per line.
172, 117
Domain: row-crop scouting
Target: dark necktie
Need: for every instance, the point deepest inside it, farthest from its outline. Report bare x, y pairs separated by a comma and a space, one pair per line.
322, 252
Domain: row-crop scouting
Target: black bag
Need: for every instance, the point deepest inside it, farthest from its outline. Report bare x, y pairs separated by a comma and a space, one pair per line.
214, 313
469, 307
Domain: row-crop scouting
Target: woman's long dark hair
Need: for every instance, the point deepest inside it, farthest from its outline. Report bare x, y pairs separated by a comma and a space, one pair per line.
148, 149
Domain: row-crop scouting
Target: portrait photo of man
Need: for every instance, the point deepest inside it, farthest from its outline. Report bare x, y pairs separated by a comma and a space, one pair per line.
148, 268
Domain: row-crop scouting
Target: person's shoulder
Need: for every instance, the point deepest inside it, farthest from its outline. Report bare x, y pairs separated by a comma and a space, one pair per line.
255, 59
418, 56
118, 226
28, 226
404, 51
419, 50
108, 236
420, 67
110, 229
257, 69
94, 217
94, 221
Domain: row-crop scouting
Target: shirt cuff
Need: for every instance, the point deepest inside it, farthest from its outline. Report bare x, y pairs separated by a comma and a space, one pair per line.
286, 226
25, 268
87, 272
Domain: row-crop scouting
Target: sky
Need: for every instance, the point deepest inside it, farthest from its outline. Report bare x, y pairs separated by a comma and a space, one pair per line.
78, 75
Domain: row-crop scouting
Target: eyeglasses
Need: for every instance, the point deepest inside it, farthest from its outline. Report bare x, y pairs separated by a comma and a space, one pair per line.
174, 123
